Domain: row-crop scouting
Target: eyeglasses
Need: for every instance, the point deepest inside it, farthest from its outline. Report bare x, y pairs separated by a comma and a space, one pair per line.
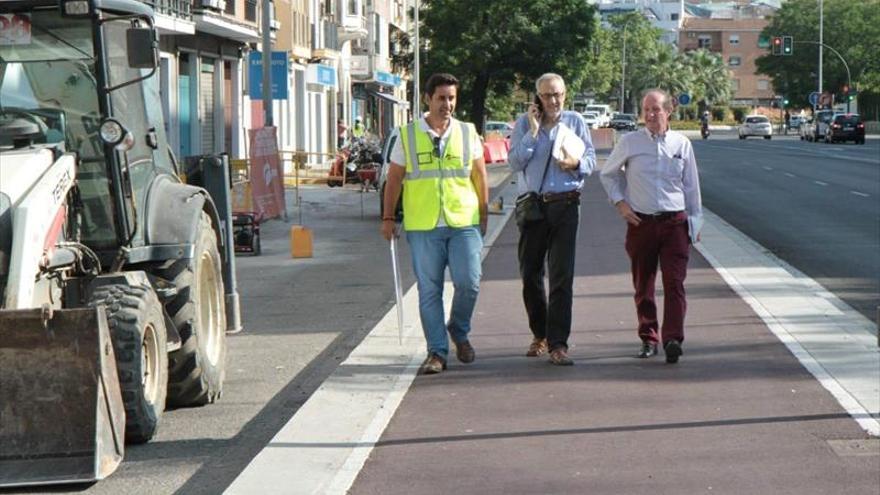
548, 96
437, 146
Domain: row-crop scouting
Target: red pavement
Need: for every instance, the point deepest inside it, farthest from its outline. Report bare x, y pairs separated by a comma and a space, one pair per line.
737, 415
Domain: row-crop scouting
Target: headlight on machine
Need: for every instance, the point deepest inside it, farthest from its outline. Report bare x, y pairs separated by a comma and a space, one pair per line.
115, 134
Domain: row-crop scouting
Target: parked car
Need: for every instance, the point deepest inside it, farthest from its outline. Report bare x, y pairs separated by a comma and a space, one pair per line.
624, 122
806, 130
603, 114
820, 124
795, 122
591, 119
845, 127
504, 128
756, 125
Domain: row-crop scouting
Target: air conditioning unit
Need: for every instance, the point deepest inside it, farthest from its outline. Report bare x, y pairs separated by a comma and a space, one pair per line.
274, 25
213, 4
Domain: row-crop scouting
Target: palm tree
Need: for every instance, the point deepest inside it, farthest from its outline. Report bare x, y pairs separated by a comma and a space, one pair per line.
711, 80
666, 69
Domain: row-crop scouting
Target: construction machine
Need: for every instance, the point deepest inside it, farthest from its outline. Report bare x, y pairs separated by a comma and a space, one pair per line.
117, 281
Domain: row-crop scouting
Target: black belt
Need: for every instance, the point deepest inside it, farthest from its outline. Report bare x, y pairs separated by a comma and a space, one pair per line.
659, 216
560, 196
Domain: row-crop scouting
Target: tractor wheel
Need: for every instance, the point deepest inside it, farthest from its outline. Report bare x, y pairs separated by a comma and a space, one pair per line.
258, 249
198, 310
137, 329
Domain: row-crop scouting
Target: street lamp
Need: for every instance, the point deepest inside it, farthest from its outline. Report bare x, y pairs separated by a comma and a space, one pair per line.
623, 71
417, 97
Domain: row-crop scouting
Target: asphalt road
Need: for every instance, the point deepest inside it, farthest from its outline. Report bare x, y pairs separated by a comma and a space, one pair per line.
814, 205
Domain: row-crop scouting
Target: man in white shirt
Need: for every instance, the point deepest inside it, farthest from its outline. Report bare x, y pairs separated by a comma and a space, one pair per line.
651, 178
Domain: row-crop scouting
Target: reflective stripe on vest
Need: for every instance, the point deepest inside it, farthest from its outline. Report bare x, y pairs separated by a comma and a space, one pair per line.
435, 185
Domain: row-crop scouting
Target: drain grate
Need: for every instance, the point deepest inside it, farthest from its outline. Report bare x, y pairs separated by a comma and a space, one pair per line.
850, 448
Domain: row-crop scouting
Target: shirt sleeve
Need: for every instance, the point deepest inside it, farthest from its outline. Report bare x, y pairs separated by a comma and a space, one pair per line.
397, 150
587, 161
612, 175
522, 145
691, 184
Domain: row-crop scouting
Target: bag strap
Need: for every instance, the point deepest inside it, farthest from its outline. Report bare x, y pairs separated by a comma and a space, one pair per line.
546, 166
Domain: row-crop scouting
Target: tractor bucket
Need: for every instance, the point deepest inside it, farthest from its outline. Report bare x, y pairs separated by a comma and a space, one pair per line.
61, 413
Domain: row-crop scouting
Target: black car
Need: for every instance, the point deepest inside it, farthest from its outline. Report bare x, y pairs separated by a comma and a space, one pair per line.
845, 127
624, 122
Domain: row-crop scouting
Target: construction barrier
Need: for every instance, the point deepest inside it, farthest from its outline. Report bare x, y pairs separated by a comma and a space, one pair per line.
495, 151
603, 139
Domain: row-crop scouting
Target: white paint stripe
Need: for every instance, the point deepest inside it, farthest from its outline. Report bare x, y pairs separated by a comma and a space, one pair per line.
768, 168
819, 182
789, 174
831, 340
860, 194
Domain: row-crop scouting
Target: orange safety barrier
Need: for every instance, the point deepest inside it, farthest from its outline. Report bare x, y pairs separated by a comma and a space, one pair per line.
495, 151
603, 139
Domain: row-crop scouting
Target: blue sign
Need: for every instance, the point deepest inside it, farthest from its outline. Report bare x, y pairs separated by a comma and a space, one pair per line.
814, 98
684, 99
384, 78
279, 75
326, 75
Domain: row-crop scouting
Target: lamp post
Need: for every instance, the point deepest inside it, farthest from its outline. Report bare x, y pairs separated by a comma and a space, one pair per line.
821, 45
417, 96
623, 72
267, 64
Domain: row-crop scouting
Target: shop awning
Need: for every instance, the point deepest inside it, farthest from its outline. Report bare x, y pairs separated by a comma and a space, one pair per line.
387, 97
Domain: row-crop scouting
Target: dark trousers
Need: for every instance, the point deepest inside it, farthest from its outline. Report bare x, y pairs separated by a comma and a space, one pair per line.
553, 239
665, 241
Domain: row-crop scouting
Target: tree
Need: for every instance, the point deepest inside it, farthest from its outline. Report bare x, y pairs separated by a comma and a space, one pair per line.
851, 28
493, 46
710, 79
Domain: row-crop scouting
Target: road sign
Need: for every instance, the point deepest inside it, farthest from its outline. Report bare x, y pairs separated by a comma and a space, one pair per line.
814, 98
684, 99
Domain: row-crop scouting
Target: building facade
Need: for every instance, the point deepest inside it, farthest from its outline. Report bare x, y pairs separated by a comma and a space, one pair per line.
739, 43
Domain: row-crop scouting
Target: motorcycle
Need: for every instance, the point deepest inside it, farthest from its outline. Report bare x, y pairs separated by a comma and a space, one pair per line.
704, 130
356, 163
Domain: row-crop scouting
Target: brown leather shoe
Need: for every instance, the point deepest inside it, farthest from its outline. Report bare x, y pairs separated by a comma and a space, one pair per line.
559, 357
537, 347
464, 351
433, 364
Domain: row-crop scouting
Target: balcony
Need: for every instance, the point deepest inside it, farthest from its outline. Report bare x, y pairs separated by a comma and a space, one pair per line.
173, 16
325, 44
212, 17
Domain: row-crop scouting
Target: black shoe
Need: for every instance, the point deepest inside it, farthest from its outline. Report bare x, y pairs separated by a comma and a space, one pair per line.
433, 364
464, 351
673, 351
648, 349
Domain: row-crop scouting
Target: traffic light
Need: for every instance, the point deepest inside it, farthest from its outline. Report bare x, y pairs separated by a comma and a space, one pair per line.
777, 45
785, 102
787, 45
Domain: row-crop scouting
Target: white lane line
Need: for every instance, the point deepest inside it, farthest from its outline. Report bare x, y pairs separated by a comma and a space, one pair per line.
835, 343
768, 168
819, 182
860, 194
790, 175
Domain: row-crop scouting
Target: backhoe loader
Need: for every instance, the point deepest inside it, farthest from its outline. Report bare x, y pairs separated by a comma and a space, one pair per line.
117, 281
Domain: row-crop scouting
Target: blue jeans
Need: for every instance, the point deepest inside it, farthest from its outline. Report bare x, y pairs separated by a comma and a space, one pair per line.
432, 251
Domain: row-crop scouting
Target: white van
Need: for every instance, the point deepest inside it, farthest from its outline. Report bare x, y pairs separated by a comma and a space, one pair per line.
603, 112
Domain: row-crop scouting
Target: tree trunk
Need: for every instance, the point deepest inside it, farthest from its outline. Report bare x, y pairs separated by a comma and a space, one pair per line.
478, 100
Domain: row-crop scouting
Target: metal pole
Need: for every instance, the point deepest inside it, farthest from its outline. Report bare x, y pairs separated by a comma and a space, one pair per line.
267, 64
821, 46
623, 73
417, 95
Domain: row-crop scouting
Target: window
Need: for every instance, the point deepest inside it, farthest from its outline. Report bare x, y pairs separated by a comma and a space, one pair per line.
734, 39
705, 41
673, 16
735, 84
692, 34
763, 84
734, 61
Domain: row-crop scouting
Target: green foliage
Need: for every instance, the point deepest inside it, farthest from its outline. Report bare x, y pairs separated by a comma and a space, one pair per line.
500, 107
494, 45
710, 81
739, 113
687, 113
852, 28
718, 113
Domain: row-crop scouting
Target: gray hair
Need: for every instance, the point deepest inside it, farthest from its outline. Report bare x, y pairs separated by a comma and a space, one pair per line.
549, 76
668, 103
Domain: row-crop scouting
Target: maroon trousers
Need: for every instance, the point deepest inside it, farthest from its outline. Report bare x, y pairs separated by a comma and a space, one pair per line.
664, 241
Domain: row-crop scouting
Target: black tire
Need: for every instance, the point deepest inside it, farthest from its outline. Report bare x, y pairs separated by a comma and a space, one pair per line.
197, 369
258, 249
768, 137
137, 329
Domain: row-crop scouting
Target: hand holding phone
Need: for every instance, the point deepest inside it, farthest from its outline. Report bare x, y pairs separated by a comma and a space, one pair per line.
535, 114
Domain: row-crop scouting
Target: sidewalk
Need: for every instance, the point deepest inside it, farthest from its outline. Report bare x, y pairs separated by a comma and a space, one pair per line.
739, 414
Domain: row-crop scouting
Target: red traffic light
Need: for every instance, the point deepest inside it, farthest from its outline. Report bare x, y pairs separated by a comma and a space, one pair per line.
777, 45
845, 89
777, 41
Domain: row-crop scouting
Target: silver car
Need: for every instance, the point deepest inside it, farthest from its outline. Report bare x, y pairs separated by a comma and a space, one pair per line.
756, 125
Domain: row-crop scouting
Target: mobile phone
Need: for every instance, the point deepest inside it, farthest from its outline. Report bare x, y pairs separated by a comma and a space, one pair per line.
539, 104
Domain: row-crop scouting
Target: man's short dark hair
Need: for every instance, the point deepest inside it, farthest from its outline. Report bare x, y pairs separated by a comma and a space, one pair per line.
440, 79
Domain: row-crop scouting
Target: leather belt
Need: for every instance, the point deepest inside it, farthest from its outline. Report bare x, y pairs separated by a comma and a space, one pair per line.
659, 216
560, 196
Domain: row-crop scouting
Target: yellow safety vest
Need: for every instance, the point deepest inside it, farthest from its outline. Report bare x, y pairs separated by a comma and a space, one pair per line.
435, 185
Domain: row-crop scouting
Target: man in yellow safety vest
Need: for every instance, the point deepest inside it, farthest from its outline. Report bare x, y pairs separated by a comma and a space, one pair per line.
445, 210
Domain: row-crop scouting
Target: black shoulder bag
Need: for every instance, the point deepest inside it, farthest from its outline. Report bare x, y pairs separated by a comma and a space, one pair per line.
529, 206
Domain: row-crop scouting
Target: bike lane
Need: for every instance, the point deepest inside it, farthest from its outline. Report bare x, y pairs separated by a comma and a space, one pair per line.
737, 414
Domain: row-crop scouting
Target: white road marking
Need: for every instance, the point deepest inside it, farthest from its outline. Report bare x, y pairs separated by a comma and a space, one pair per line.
819, 182
789, 175
860, 194
768, 168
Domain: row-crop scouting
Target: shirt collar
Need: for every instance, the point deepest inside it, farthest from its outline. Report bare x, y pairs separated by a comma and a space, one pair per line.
423, 124
656, 137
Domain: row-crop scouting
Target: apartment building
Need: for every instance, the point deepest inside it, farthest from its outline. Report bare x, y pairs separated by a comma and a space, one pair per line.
739, 43
667, 15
